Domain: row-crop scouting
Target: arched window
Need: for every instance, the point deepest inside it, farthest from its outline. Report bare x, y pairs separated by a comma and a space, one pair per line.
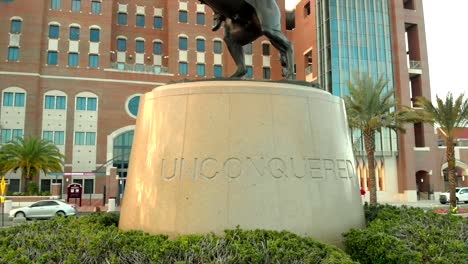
121, 152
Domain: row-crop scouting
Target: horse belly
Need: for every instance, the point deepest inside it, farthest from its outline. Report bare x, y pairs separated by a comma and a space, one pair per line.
226, 7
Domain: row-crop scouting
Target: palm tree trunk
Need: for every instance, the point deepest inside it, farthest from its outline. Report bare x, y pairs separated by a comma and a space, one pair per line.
451, 170
369, 143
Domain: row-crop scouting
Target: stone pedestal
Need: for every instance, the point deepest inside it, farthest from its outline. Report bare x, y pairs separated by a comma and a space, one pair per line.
213, 155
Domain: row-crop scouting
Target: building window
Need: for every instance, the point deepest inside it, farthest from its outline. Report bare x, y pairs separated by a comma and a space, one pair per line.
48, 135
249, 72
133, 105
96, 7
15, 26
45, 185
183, 67
157, 22
85, 138
93, 60
408, 4
53, 31
218, 71
56, 137
266, 73
266, 49
121, 44
200, 18
75, 5
183, 16
54, 102
122, 18
94, 35
217, 46
307, 9
157, 48
200, 69
183, 43
72, 59
52, 57
200, 45
74, 33
55, 4
139, 67
13, 99
248, 48
140, 20
121, 152
86, 103
13, 53
140, 46
14, 185
11, 135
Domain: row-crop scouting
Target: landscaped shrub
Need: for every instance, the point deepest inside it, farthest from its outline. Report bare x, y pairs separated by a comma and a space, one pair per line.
409, 235
96, 239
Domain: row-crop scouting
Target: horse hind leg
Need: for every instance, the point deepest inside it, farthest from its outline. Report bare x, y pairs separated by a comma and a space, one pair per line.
284, 46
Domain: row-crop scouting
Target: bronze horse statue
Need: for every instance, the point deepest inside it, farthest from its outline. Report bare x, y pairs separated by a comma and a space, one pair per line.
246, 21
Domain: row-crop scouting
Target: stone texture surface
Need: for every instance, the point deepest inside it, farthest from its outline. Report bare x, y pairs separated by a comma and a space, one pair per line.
213, 155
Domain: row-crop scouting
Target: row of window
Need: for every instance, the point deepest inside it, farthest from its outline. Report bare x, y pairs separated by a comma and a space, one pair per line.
56, 137
88, 185
74, 33
122, 19
52, 59
8, 135
13, 99
51, 101
218, 70
76, 5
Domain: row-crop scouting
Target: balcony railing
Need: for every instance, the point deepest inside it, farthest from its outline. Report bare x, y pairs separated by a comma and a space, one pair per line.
415, 64
308, 70
153, 69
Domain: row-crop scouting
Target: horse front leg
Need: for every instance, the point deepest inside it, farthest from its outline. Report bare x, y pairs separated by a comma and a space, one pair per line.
236, 51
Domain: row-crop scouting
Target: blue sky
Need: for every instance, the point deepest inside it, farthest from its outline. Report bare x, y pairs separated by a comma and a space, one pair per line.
447, 38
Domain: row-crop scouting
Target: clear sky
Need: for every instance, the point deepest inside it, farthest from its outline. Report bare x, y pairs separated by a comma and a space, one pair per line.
447, 38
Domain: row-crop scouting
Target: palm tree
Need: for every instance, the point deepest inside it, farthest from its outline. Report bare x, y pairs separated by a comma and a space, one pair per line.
449, 115
370, 106
31, 155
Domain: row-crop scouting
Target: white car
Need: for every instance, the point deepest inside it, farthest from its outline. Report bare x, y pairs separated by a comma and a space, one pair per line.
460, 192
44, 209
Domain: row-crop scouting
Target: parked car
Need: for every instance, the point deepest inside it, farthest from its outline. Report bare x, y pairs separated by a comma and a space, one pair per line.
44, 209
460, 192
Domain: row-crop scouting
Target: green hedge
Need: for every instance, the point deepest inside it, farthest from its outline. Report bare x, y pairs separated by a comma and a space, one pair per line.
408, 235
96, 239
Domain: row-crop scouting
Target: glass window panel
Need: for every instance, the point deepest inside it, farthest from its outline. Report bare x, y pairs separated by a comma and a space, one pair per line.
6, 135
133, 105
90, 138
200, 45
88, 186
266, 49
217, 71
249, 72
59, 137
19, 99
55, 4
52, 57
157, 48
74, 33
94, 34
49, 102
93, 60
200, 18
140, 20
79, 138
122, 19
139, 67
217, 46
17, 133
121, 44
140, 46
15, 26
248, 48
157, 22
76, 5
182, 43
7, 99
201, 69
182, 67
183, 16
95, 7
266, 73
72, 59
60, 102
48, 135
13, 53
92, 104
53, 31
81, 103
